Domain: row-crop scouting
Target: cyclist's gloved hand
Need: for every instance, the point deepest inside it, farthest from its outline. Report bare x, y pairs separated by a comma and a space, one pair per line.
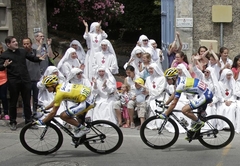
39, 122
41, 109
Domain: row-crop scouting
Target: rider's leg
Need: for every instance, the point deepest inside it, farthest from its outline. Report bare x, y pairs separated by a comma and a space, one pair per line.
186, 110
69, 119
71, 112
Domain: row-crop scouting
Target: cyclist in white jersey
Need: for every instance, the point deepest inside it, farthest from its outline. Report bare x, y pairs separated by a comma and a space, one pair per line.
189, 85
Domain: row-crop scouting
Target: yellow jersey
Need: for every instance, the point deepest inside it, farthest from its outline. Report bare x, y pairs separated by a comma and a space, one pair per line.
71, 92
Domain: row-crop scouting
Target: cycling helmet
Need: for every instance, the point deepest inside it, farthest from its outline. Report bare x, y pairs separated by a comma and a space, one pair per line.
50, 80
171, 72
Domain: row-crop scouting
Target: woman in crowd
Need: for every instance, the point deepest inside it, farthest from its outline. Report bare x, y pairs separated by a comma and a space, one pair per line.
158, 55
3, 91
174, 48
44, 97
210, 78
227, 105
104, 86
214, 63
143, 42
93, 39
224, 60
180, 58
155, 85
106, 57
135, 59
80, 51
68, 61
236, 66
237, 93
184, 98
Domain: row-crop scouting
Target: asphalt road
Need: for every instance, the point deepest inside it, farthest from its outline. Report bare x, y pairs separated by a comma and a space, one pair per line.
133, 152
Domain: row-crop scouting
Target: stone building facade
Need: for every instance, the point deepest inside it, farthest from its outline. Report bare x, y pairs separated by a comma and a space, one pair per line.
204, 28
23, 17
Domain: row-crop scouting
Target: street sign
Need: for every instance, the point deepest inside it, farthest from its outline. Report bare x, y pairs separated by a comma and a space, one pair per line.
184, 22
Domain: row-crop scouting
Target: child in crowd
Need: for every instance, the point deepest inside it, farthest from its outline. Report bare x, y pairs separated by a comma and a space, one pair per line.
124, 96
140, 100
146, 58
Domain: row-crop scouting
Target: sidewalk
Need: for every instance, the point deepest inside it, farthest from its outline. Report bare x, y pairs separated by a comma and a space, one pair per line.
4, 124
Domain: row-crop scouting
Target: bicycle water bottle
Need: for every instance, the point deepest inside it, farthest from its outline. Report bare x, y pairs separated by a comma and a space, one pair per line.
184, 121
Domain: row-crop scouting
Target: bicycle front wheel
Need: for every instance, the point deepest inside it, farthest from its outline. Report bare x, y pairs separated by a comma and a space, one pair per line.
158, 135
217, 132
105, 137
42, 141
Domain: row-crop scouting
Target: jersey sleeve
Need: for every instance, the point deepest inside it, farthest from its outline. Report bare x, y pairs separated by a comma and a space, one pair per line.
58, 99
178, 94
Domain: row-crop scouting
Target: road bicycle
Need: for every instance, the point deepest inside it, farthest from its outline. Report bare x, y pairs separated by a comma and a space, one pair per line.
105, 137
217, 132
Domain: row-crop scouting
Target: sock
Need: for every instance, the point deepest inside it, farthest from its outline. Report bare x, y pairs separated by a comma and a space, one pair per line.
198, 120
79, 126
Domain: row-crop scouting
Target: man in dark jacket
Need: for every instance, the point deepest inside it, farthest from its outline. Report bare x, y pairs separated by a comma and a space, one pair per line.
14, 59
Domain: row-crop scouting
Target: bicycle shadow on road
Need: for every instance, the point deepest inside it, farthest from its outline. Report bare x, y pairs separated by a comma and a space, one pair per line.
75, 153
190, 148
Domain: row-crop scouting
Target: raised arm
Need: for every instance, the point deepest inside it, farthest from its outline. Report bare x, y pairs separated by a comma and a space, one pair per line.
86, 26
172, 47
216, 58
179, 41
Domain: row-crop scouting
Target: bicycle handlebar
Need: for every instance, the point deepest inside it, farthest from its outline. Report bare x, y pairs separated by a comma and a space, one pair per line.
160, 103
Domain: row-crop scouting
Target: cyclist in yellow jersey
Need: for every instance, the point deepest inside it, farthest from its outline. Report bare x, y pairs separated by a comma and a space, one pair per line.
68, 92
189, 85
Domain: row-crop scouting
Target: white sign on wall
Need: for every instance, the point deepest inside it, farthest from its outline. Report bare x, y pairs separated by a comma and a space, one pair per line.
184, 22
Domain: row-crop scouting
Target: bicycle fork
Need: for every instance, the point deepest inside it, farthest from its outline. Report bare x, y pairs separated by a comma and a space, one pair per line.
43, 133
162, 126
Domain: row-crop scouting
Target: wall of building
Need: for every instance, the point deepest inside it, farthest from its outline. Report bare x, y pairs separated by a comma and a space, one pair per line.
27, 15
184, 10
19, 19
204, 28
36, 16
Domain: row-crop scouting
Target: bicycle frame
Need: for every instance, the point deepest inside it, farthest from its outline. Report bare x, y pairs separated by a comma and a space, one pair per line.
62, 127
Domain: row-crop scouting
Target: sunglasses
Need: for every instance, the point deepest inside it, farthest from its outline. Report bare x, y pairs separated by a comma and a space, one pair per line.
145, 40
79, 73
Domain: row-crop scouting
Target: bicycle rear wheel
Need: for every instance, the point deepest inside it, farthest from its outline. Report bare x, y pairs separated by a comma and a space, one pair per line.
156, 135
105, 137
43, 141
217, 132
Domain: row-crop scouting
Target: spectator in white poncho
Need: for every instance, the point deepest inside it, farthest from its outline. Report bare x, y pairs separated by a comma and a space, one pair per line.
135, 59
228, 104
104, 85
79, 49
93, 39
155, 85
158, 55
44, 97
68, 61
106, 57
237, 92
